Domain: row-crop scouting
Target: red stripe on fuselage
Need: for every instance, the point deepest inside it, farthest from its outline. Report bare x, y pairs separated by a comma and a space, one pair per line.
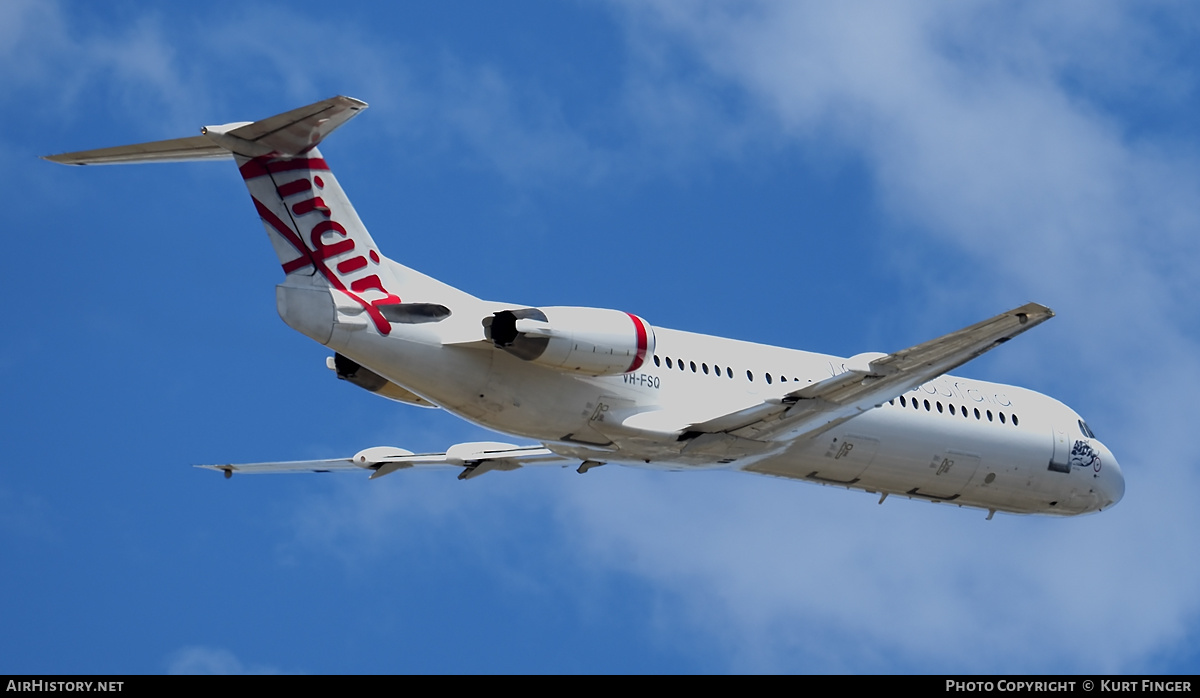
643, 341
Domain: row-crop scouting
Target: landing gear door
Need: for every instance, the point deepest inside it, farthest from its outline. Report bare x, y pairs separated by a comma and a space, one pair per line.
1060, 457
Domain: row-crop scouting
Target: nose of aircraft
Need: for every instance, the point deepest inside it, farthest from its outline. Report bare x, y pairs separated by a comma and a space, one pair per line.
1110, 483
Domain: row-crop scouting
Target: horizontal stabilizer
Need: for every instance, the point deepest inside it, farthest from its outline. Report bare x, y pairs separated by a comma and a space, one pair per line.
174, 150
291, 133
285, 135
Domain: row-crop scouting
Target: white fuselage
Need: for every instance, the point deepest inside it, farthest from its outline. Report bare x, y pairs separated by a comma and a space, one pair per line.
955, 440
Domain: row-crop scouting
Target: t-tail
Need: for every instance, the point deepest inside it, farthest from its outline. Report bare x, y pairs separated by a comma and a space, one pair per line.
334, 271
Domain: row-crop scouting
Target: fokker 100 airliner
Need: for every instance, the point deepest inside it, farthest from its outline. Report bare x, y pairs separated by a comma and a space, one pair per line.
595, 386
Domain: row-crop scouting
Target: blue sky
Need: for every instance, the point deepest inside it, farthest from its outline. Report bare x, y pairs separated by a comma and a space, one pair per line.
844, 178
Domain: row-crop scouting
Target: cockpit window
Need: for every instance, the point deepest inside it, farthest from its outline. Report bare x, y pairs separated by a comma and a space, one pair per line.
1083, 427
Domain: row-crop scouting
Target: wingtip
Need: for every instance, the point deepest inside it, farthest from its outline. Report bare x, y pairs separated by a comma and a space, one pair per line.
352, 102
59, 159
1034, 310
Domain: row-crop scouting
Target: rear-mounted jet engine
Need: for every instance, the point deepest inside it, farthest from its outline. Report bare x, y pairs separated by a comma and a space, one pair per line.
592, 341
350, 371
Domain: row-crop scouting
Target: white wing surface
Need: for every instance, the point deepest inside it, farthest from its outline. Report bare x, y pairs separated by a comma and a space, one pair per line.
870, 380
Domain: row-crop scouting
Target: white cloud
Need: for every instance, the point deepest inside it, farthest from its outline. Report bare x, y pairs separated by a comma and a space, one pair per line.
201, 660
58, 61
790, 577
984, 149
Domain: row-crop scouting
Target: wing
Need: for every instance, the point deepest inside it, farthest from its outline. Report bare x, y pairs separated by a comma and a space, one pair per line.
475, 458
871, 380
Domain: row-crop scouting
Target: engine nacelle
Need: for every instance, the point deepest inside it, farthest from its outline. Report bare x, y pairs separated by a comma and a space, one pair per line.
592, 341
352, 372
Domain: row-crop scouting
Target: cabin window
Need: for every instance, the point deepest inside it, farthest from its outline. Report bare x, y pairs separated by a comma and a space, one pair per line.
768, 379
729, 371
669, 363
1002, 418
705, 368
977, 413
939, 406
951, 406
681, 366
989, 414
1015, 420
903, 402
749, 376
783, 379
656, 361
927, 409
